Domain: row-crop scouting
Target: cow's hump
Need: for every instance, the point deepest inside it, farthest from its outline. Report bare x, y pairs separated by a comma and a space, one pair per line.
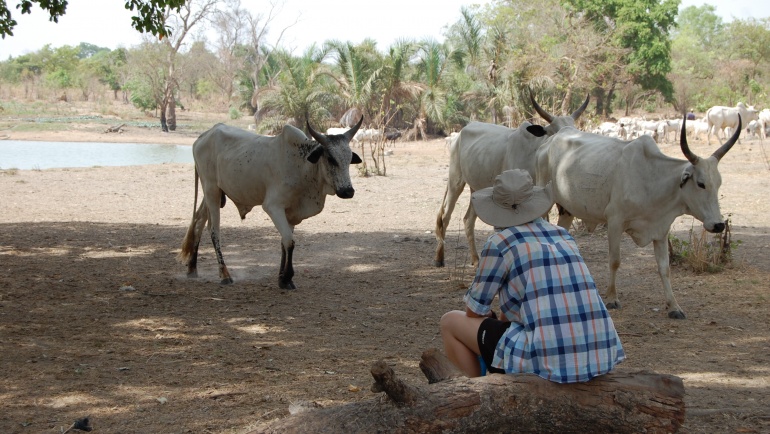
292, 135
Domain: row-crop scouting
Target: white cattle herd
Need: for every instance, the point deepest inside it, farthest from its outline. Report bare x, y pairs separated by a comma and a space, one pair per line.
615, 175
718, 121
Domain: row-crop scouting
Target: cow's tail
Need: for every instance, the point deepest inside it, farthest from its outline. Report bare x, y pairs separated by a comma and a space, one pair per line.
188, 244
440, 230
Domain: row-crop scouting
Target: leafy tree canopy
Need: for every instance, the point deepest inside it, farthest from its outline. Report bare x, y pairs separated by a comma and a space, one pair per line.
149, 17
642, 26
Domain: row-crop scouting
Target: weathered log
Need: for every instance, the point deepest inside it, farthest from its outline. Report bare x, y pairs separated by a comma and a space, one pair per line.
612, 403
115, 129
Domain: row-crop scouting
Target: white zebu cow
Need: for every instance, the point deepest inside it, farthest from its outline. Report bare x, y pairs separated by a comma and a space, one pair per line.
752, 129
451, 138
288, 174
698, 127
668, 126
336, 131
648, 128
720, 117
633, 188
764, 122
481, 152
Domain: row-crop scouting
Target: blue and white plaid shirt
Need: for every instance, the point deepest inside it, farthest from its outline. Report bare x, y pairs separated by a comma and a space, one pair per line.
560, 329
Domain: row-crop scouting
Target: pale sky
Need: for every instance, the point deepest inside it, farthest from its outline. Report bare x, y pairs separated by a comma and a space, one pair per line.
106, 23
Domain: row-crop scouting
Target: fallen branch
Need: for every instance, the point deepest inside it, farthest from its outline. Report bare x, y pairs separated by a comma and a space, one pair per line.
616, 402
115, 129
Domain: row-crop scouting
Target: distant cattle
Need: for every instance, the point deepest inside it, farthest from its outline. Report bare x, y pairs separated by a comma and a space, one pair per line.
481, 152
668, 127
764, 123
634, 188
288, 174
392, 135
720, 118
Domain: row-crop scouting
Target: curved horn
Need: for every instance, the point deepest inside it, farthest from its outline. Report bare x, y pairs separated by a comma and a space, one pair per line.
349, 134
719, 153
320, 138
692, 158
581, 109
543, 114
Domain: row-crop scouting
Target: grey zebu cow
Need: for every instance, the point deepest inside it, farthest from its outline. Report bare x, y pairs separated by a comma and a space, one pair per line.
634, 188
288, 174
481, 152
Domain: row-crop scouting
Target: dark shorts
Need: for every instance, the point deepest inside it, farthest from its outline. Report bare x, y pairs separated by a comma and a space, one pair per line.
490, 332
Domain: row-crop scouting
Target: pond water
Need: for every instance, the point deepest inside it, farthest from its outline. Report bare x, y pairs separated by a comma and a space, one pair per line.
26, 155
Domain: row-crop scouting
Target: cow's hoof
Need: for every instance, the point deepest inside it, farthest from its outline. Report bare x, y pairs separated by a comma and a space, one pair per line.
438, 263
226, 281
192, 274
613, 305
286, 285
677, 314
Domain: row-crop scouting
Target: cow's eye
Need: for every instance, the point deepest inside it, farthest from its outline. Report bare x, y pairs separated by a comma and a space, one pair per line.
702, 185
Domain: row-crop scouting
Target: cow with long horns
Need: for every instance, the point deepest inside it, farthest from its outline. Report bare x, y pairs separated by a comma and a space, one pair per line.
481, 152
633, 188
288, 174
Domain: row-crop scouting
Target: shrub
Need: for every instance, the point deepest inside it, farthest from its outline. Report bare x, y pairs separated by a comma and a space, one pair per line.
704, 251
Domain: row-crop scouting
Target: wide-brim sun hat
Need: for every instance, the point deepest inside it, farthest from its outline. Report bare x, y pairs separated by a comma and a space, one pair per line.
512, 200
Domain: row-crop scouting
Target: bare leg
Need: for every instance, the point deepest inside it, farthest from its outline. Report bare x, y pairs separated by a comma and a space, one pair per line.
458, 331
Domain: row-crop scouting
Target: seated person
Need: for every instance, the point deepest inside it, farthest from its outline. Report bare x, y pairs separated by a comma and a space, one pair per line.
554, 323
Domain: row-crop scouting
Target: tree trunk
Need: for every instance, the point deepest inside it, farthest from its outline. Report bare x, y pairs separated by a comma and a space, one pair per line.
567, 101
163, 124
452, 403
169, 102
608, 106
599, 101
171, 109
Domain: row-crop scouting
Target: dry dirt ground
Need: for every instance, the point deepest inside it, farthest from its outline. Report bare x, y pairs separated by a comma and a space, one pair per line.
97, 317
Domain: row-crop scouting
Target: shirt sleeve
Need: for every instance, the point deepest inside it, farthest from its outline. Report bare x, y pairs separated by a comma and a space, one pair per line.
490, 277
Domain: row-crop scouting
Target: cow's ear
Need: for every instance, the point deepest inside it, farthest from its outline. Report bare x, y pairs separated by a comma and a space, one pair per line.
687, 174
355, 159
315, 154
536, 130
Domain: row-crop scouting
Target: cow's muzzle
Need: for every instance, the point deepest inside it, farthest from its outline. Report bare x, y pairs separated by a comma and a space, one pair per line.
345, 192
718, 228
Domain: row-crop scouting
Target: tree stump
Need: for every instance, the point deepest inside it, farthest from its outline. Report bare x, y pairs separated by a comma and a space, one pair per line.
612, 403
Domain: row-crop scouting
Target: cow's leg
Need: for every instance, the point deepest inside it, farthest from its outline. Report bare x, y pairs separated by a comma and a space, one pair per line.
193, 237
278, 216
213, 200
614, 233
664, 270
470, 233
565, 218
451, 194
286, 272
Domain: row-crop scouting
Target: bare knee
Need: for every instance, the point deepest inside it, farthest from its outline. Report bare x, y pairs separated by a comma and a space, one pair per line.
448, 320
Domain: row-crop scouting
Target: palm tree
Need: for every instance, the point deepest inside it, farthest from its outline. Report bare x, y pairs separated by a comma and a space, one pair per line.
432, 64
299, 94
355, 73
396, 90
